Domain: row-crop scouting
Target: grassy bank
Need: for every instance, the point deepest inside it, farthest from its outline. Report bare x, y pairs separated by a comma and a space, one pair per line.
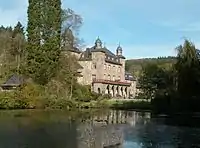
122, 104
34, 97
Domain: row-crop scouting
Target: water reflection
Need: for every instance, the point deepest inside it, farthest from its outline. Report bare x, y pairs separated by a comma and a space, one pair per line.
116, 129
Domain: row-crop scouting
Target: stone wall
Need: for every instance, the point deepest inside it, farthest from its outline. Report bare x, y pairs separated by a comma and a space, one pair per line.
112, 71
86, 72
122, 72
98, 60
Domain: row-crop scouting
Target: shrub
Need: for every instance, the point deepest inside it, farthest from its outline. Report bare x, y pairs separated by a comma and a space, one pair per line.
82, 93
32, 94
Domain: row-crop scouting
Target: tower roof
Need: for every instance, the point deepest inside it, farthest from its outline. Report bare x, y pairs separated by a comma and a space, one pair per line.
119, 48
98, 40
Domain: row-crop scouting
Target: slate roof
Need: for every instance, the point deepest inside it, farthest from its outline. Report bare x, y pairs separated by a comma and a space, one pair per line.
104, 49
129, 77
110, 57
73, 49
14, 80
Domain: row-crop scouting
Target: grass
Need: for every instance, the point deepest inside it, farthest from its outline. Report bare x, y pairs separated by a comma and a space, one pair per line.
129, 104
122, 104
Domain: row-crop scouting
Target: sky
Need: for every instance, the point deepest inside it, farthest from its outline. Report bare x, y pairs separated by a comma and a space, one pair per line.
144, 28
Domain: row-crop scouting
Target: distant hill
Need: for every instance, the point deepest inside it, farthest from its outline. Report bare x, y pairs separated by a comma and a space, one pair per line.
135, 65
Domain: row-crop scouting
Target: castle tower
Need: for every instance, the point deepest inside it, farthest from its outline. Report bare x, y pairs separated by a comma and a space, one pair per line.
122, 61
119, 50
98, 59
98, 43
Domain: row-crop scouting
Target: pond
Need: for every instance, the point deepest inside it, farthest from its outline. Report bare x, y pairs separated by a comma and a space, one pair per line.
93, 129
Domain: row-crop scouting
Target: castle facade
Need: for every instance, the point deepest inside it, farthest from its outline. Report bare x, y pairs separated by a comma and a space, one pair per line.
104, 71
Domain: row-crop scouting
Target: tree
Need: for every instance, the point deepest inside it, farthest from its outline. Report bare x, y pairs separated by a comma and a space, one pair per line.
67, 72
33, 53
156, 80
18, 44
44, 38
188, 70
71, 23
71, 20
12, 42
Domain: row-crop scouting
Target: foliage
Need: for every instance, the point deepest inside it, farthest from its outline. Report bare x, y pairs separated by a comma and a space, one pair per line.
44, 38
135, 65
27, 96
188, 70
53, 73
176, 87
125, 105
155, 79
32, 94
71, 23
12, 42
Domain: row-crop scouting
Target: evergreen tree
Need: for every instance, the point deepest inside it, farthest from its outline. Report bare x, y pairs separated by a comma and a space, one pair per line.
33, 44
44, 32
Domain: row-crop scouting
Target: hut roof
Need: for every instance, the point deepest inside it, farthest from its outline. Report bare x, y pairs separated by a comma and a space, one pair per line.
14, 80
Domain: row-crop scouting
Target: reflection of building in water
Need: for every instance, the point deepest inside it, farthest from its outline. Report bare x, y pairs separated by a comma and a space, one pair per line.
123, 117
99, 136
105, 131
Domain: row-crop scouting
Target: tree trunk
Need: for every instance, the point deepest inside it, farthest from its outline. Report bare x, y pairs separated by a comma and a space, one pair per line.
71, 88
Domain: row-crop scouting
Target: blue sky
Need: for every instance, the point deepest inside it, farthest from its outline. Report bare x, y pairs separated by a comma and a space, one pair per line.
145, 28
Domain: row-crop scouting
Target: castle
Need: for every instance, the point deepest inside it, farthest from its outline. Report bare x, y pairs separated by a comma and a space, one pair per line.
104, 71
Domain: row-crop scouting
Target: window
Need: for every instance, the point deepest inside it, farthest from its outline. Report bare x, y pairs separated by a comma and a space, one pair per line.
118, 69
94, 65
93, 77
113, 77
104, 66
104, 76
119, 78
108, 67
109, 78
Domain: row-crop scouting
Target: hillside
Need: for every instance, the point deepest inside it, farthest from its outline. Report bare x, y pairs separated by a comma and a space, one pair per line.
135, 65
